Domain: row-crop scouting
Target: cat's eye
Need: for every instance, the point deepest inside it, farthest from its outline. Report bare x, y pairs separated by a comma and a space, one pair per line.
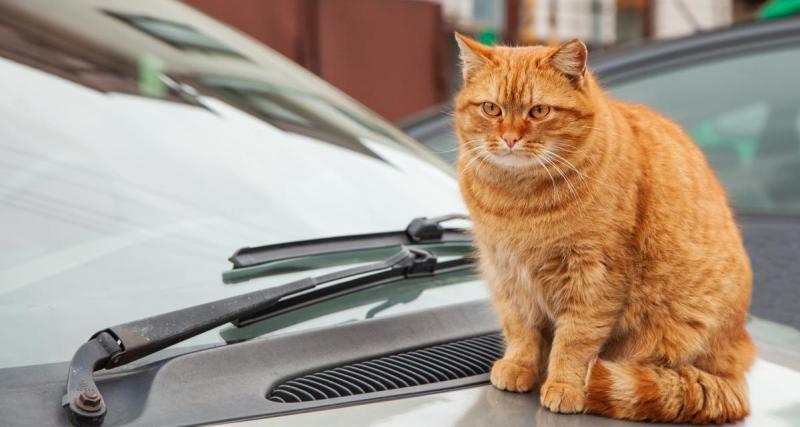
491, 109
540, 111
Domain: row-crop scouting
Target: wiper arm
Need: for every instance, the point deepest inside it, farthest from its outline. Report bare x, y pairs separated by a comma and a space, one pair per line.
125, 343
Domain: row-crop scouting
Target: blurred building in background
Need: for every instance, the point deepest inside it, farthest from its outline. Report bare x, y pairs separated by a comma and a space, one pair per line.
398, 56
600, 23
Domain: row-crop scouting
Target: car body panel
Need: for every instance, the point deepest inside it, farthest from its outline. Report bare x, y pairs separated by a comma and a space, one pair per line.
774, 383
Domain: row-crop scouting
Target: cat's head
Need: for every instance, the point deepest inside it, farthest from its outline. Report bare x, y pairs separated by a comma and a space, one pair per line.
523, 107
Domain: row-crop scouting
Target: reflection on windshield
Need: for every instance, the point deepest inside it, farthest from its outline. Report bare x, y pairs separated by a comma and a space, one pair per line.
26, 45
285, 107
176, 34
293, 111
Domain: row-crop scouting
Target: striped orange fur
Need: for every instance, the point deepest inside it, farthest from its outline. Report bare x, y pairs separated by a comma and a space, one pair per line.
610, 250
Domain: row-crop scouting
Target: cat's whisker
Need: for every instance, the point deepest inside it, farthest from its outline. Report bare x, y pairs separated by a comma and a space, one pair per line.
471, 151
479, 157
569, 150
564, 176
552, 180
474, 147
565, 148
473, 144
483, 159
580, 174
567, 163
466, 150
443, 151
607, 131
469, 163
558, 198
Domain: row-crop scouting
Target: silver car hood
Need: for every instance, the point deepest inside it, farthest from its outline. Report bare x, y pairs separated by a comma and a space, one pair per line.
774, 397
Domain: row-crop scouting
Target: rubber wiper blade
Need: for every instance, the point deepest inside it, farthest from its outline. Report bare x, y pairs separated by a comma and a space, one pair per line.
420, 231
128, 342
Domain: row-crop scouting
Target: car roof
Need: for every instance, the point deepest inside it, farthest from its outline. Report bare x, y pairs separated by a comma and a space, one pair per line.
625, 63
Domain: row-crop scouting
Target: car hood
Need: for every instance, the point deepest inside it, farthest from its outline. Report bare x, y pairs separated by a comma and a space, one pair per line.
774, 383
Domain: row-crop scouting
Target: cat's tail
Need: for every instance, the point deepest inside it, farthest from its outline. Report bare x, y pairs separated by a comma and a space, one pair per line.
682, 395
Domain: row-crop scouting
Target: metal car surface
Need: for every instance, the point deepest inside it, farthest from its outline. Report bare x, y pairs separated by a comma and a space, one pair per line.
774, 399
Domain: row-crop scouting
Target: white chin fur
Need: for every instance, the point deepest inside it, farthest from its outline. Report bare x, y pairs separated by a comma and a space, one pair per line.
514, 161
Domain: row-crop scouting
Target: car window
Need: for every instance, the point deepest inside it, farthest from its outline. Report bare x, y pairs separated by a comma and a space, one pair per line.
744, 112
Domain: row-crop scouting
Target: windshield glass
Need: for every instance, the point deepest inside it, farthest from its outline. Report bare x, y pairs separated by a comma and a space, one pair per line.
121, 198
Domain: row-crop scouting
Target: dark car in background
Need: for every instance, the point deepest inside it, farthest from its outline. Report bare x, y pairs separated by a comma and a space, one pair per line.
196, 231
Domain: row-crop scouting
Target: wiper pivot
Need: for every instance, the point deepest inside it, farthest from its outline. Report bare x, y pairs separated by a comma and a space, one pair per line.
85, 405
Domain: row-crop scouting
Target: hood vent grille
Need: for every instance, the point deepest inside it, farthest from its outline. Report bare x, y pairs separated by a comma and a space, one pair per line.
444, 362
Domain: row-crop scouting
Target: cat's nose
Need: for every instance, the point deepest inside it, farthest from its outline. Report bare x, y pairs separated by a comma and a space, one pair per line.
510, 139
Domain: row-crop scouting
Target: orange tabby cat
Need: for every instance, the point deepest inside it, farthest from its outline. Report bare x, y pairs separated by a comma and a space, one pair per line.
611, 253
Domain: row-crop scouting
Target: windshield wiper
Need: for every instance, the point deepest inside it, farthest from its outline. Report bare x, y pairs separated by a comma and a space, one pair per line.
125, 343
251, 262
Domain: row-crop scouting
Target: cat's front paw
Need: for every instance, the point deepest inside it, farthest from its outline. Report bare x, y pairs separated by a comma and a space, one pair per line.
511, 376
563, 397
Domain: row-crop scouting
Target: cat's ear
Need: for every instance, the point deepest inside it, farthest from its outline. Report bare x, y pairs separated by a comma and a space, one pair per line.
570, 59
474, 55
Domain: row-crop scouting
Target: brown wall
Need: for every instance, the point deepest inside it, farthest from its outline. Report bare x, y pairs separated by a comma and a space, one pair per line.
388, 54
273, 22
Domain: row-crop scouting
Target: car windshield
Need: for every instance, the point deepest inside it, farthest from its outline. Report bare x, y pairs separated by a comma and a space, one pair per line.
141, 153
750, 135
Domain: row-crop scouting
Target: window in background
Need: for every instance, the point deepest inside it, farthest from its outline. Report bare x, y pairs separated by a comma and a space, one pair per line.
744, 113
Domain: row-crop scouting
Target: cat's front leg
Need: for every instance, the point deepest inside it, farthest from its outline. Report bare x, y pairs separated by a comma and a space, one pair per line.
575, 346
587, 305
520, 366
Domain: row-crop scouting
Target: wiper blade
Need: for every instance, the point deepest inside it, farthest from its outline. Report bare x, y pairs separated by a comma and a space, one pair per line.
425, 233
127, 342
419, 231
428, 268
